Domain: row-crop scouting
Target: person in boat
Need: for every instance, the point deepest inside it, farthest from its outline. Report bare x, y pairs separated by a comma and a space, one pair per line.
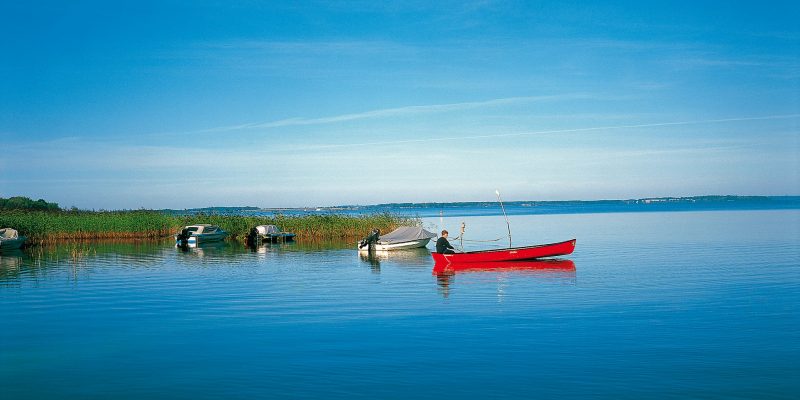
443, 246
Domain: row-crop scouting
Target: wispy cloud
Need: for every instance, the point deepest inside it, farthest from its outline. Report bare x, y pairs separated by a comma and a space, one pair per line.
572, 130
309, 48
396, 112
412, 110
704, 58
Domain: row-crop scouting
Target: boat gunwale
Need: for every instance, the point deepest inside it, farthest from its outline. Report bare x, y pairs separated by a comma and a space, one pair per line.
516, 248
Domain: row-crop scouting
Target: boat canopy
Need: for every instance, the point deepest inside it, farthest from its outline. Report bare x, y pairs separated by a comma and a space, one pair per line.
406, 234
267, 229
202, 228
8, 233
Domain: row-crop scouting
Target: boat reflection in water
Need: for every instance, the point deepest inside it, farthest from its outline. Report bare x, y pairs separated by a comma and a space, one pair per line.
372, 259
206, 249
270, 247
562, 271
407, 257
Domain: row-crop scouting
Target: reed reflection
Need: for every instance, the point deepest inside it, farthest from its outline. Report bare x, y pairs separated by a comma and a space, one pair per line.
10, 263
552, 269
74, 256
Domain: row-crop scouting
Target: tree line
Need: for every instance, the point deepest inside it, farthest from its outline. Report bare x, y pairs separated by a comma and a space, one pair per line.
25, 203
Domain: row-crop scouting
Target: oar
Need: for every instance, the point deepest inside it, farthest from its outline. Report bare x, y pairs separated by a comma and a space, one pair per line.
504, 215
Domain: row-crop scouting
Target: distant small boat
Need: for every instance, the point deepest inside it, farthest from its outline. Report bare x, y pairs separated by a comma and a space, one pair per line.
269, 233
507, 254
404, 237
10, 239
197, 234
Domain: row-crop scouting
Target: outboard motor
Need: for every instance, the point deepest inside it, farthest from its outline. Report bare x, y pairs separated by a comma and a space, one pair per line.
182, 240
252, 237
370, 240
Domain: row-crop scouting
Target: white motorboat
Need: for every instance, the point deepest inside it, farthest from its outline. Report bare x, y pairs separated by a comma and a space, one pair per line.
193, 235
404, 237
10, 239
269, 234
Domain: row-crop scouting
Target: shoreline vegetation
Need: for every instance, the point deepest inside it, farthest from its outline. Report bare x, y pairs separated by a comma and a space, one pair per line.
43, 222
44, 227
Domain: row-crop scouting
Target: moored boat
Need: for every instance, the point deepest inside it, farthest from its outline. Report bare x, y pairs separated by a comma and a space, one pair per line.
193, 235
10, 239
268, 233
508, 254
404, 237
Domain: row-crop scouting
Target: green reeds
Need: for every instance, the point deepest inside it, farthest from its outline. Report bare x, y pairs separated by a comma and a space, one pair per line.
42, 227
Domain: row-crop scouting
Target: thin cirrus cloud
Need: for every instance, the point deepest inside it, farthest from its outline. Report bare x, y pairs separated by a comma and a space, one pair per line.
396, 112
561, 131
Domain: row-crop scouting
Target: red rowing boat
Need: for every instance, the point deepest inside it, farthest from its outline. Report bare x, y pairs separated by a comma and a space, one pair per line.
509, 254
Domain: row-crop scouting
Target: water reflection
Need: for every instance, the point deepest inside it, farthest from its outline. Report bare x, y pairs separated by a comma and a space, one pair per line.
207, 249
302, 246
562, 271
398, 255
411, 257
371, 259
10, 263
76, 256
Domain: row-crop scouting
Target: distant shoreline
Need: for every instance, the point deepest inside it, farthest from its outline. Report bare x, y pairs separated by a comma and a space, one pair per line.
691, 203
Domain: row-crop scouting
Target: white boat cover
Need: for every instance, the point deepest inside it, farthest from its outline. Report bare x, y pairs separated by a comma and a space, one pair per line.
406, 234
8, 233
267, 229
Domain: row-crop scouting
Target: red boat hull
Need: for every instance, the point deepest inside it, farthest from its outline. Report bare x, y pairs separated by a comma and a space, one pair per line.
509, 254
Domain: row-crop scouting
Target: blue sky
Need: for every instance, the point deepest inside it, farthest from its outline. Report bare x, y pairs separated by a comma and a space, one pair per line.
112, 105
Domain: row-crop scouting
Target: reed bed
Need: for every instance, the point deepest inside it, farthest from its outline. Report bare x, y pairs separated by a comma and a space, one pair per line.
42, 227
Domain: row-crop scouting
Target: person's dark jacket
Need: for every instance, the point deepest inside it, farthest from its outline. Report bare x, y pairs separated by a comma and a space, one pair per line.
443, 246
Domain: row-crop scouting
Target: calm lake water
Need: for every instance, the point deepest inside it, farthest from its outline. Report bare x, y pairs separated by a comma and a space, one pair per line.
658, 305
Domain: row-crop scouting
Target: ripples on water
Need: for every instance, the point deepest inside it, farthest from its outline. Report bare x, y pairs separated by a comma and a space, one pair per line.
669, 305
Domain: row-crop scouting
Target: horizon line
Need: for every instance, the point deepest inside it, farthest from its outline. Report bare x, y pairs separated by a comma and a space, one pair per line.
491, 201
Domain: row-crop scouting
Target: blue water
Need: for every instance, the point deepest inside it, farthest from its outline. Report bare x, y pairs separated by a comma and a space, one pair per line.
659, 305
